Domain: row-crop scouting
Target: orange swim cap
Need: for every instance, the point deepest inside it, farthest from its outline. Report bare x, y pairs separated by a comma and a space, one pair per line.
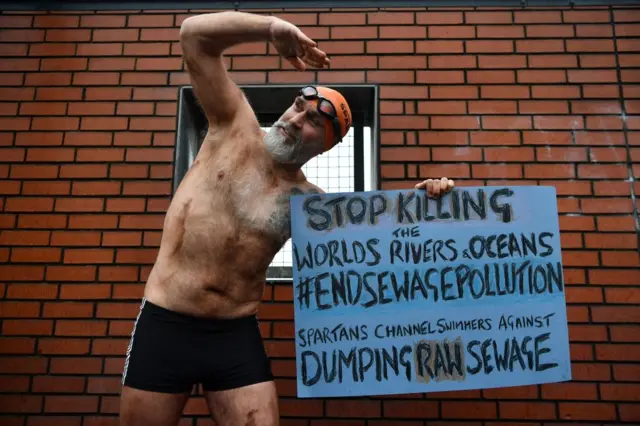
343, 112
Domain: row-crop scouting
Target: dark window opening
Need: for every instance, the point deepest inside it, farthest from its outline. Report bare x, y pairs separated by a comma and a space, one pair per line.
350, 166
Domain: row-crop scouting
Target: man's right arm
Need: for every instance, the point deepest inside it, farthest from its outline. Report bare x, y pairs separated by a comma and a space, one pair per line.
204, 38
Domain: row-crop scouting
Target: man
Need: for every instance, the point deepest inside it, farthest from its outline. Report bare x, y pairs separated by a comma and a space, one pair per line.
226, 222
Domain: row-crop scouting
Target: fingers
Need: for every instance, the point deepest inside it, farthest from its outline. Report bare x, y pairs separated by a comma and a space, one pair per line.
444, 183
436, 187
306, 40
298, 49
297, 63
442, 186
316, 63
449, 185
426, 184
309, 49
315, 57
300, 63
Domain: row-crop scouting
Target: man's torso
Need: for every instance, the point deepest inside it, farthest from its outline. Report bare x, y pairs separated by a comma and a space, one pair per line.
228, 219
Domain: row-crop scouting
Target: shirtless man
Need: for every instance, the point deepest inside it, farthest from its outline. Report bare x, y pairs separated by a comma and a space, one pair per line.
226, 222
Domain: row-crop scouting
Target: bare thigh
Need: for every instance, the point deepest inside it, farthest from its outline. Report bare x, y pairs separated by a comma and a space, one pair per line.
144, 408
253, 405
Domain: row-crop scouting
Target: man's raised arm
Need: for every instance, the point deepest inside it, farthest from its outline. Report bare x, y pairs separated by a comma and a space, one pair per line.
204, 38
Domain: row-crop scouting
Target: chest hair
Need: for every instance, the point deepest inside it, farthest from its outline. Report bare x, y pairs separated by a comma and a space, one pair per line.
268, 211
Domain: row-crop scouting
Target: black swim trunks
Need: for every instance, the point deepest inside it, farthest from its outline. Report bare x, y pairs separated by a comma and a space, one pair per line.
171, 352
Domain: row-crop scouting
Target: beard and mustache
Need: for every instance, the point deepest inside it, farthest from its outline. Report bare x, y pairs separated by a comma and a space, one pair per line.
287, 147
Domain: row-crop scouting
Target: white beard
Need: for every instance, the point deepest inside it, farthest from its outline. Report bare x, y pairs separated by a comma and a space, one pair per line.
280, 150
286, 152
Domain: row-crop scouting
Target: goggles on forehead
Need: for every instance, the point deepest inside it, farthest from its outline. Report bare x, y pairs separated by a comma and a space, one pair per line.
325, 107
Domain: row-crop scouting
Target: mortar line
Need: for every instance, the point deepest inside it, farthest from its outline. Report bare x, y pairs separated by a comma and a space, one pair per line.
625, 129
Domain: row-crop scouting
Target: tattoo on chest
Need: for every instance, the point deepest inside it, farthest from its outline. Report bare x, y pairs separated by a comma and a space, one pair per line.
281, 217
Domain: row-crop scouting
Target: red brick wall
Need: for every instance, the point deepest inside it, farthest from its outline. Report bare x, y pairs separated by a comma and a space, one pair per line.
87, 114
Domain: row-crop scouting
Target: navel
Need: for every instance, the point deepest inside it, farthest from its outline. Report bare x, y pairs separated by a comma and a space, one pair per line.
220, 174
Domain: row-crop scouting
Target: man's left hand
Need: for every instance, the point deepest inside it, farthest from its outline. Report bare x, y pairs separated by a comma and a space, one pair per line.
436, 187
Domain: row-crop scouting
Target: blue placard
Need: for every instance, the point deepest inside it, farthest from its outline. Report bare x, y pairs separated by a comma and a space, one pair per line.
396, 292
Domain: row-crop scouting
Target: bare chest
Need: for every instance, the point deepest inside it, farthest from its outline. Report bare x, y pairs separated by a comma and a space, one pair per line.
250, 197
267, 213
263, 207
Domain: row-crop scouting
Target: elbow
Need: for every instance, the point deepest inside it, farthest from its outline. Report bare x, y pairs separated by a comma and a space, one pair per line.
188, 27
202, 33
208, 23
187, 39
